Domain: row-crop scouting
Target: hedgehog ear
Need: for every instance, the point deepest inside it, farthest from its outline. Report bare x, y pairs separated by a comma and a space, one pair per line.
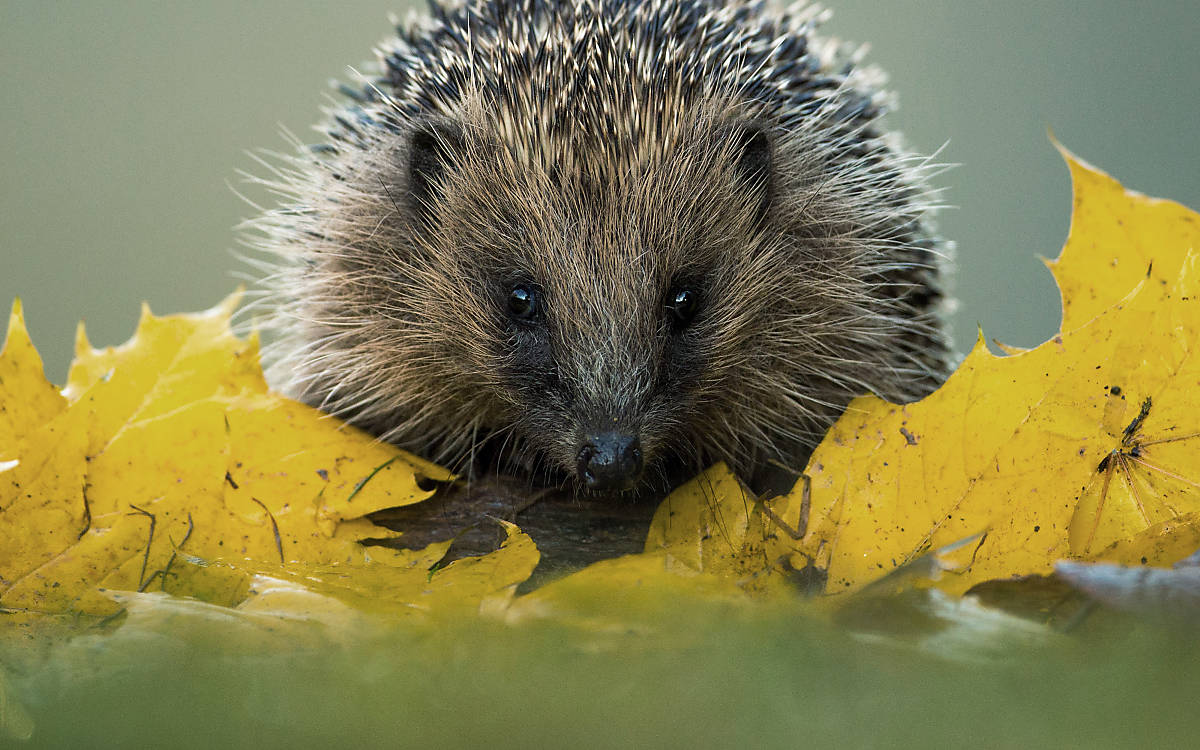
751, 147
432, 146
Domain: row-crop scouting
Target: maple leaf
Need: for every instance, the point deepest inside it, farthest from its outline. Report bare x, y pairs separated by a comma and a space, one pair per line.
1082, 448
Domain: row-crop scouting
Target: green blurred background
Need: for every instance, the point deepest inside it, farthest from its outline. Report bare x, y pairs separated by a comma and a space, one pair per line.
124, 125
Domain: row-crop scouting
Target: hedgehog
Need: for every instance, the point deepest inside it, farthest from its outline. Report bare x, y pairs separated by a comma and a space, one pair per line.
605, 243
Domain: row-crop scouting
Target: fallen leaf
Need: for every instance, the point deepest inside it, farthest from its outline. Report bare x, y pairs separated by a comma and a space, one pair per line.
171, 446
1060, 452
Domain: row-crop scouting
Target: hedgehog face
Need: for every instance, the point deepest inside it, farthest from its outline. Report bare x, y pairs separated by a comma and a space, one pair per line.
587, 305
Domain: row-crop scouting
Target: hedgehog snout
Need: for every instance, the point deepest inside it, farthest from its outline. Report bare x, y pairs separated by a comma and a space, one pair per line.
610, 461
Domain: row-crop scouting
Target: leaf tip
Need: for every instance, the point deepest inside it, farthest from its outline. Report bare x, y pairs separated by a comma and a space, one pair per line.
17, 343
253, 344
231, 302
980, 338
1073, 161
82, 345
1008, 349
1080, 168
979, 348
16, 326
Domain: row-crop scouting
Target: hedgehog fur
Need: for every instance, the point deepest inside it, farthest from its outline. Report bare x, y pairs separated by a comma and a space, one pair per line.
608, 240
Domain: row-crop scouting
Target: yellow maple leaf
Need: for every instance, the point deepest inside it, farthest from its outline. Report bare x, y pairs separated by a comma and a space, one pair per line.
1084, 443
170, 448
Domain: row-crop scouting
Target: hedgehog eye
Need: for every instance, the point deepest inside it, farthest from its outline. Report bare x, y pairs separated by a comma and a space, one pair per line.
523, 303
683, 303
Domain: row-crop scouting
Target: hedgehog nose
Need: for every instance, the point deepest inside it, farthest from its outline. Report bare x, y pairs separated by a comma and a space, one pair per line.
610, 461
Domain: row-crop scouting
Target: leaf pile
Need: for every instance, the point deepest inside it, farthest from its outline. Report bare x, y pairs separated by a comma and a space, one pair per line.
167, 465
